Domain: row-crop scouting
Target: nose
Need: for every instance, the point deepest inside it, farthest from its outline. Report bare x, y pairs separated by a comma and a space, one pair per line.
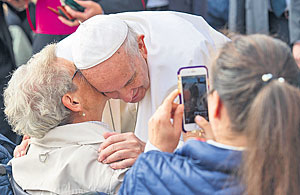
126, 95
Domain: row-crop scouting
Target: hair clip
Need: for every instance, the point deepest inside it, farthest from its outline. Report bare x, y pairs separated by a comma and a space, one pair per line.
266, 77
281, 80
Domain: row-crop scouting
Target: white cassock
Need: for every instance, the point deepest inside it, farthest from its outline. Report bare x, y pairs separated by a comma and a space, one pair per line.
172, 40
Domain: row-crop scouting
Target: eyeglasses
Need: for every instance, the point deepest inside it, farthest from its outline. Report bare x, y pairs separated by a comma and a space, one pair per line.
79, 72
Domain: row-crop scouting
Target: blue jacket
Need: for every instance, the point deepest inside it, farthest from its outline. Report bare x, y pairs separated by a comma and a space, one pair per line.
195, 168
6, 150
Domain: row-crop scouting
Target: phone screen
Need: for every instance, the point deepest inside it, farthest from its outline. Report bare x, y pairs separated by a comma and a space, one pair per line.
194, 97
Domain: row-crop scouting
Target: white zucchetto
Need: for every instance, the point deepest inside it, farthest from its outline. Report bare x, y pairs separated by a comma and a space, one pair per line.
95, 40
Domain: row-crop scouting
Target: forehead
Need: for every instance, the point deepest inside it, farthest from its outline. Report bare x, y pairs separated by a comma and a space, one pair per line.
112, 74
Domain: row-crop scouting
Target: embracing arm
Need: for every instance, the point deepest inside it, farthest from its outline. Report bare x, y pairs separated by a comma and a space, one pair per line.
120, 150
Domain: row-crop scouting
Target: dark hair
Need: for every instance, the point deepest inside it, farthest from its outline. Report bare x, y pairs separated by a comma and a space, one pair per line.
268, 113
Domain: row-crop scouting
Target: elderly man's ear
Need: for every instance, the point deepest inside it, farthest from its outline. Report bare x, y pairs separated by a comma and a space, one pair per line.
72, 102
142, 46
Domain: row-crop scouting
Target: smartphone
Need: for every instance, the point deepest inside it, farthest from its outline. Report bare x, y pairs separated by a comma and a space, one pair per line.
61, 11
74, 5
193, 87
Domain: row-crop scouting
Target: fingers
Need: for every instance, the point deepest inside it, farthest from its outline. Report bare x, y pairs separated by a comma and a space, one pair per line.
204, 124
123, 164
121, 155
25, 137
68, 22
119, 149
112, 150
168, 102
108, 134
20, 150
112, 139
174, 107
178, 117
91, 6
296, 53
75, 14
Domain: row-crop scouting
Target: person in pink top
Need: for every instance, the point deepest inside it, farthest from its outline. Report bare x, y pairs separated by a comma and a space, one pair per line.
53, 28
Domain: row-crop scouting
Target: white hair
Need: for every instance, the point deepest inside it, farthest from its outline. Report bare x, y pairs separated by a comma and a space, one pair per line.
33, 96
131, 43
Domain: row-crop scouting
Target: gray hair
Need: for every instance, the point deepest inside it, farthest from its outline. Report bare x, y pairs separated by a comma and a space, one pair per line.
32, 98
130, 43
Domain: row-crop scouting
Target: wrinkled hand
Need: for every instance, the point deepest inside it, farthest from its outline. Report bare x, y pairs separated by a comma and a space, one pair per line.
296, 53
206, 127
20, 150
91, 9
120, 150
162, 132
18, 4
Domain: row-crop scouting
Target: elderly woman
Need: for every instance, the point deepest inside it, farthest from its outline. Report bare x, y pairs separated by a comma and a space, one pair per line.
62, 114
252, 104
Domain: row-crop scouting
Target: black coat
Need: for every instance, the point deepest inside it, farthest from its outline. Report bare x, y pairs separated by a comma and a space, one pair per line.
7, 65
116, 6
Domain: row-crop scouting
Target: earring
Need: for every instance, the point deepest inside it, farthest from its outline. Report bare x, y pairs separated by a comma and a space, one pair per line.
83, 114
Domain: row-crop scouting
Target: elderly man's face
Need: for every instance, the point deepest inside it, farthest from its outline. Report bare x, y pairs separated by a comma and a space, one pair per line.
121, 77
90, 100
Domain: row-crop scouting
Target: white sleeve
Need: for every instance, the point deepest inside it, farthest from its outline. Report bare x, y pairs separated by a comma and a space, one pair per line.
150, 146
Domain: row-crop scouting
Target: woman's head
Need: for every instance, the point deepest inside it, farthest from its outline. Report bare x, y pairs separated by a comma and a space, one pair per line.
237, 72
41, 95
254, 78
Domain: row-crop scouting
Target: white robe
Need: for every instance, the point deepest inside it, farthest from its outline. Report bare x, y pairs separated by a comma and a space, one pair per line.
172, 40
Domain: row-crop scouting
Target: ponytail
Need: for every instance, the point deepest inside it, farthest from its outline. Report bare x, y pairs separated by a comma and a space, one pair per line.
272, 160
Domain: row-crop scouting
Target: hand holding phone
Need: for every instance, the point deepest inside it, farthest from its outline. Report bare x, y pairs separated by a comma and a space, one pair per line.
74, 5
61, 11
91, 8
193, 87
163, 132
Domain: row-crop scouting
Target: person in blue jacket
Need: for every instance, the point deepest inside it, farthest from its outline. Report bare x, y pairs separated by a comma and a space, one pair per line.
252, 140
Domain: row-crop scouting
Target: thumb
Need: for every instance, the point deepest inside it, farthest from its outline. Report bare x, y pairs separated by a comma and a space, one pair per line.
178, 117
204, 124
108, 134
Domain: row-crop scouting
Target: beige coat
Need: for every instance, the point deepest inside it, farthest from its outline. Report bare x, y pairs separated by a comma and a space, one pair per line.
65, 162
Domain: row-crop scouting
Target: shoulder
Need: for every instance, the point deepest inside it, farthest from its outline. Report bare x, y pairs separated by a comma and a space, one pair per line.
169, 173
158, 172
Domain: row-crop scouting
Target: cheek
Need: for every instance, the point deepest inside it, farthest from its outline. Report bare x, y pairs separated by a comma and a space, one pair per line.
143, 74
143, 81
